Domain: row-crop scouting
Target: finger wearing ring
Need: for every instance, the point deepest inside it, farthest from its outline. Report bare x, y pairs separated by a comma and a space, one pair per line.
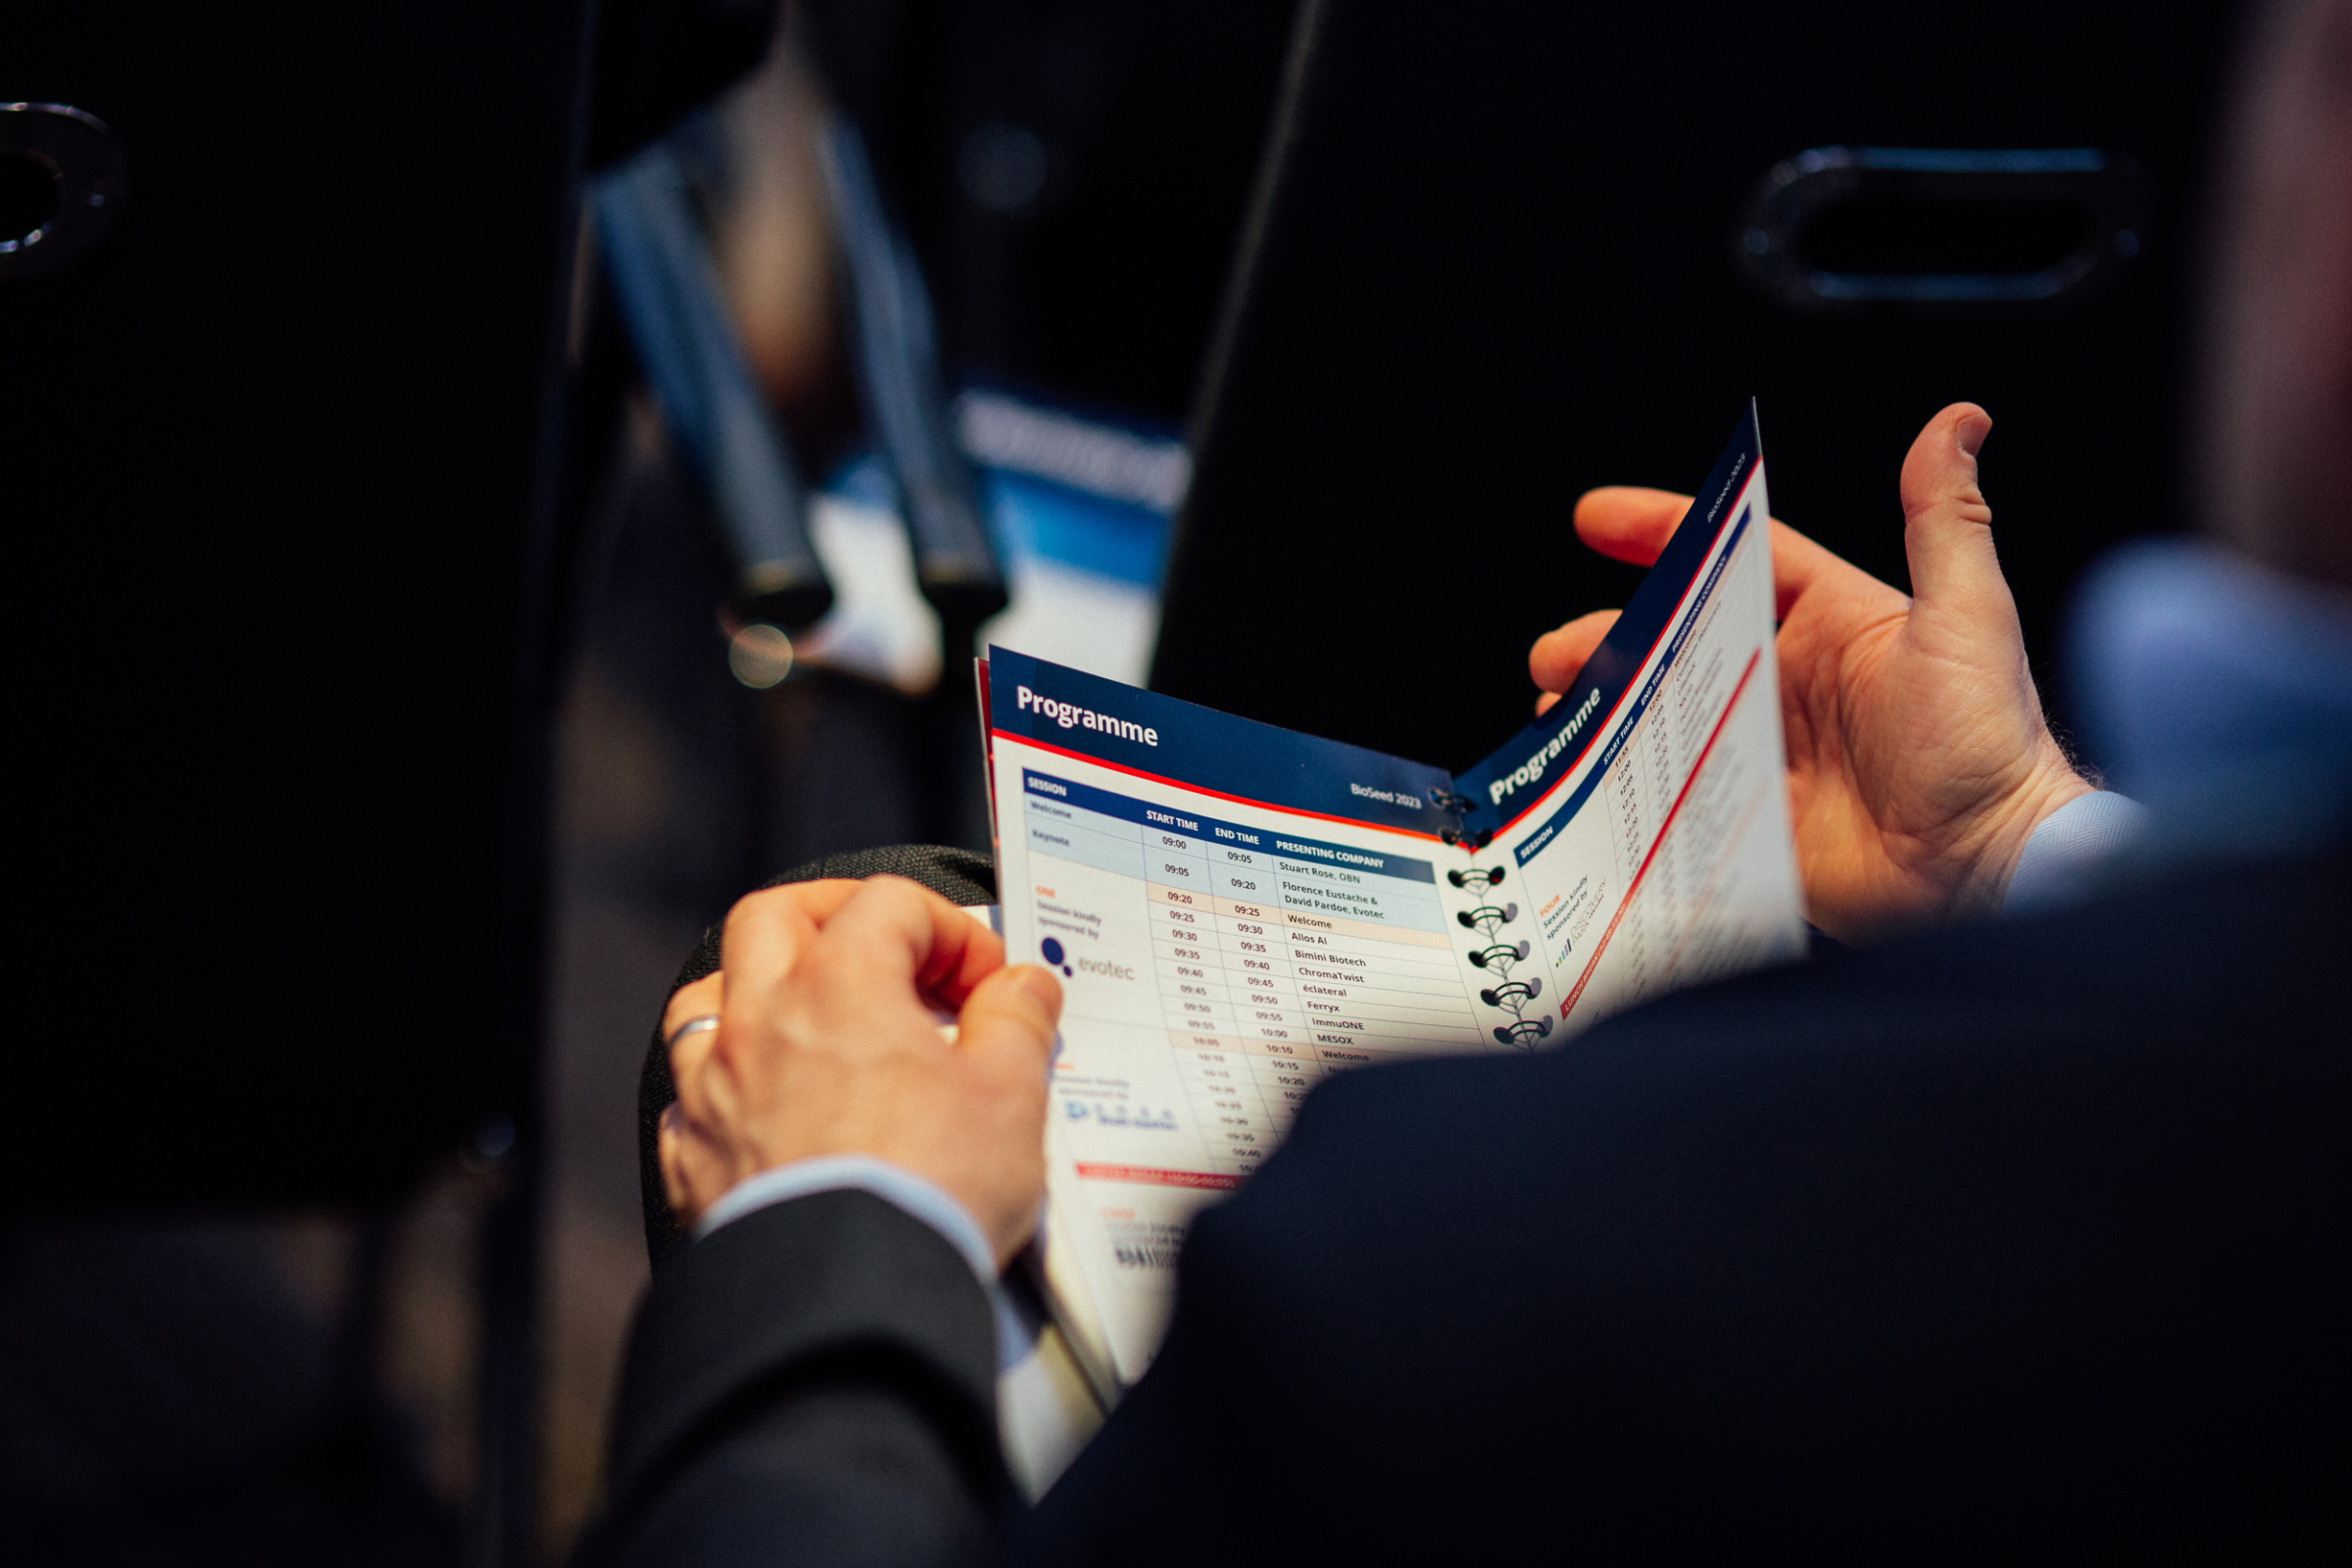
692, 1026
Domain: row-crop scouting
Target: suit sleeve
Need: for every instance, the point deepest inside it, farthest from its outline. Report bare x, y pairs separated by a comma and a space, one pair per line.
811, 1384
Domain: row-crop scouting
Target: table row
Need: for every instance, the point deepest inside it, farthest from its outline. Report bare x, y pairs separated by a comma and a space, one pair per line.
1245, 875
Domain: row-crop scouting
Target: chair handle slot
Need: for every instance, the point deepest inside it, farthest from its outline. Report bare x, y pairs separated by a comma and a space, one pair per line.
1847, 226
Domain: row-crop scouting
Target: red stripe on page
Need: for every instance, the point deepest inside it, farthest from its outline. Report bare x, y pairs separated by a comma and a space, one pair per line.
1196, 789
1159, 1178
1672, 812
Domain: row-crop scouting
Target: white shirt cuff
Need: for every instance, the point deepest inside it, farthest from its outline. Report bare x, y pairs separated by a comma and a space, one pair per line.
833, 1173
2064, 853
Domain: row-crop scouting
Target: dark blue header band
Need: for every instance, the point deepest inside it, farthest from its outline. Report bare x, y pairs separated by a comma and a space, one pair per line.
1217, 752
1128, 727
1509, 782
1102, 803
1649, 688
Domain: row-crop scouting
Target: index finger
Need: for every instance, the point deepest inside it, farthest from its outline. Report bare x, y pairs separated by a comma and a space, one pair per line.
1628, 523
904, 935
1798, 564
767, 931
1559, 654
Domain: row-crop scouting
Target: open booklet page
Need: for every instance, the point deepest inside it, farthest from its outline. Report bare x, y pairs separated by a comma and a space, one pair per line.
1238, 910
1640, 837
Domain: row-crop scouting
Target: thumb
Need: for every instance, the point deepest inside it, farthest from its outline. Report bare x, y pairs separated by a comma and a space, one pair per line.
1947, 527
1009, 1019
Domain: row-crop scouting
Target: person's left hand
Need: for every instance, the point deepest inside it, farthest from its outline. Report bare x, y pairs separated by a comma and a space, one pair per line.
827, 1045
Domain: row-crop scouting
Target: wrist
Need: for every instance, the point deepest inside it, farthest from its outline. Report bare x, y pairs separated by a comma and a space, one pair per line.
910, 1191
2054, 784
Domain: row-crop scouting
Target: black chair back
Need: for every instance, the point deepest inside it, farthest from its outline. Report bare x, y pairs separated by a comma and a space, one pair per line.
278, 459
1505, 251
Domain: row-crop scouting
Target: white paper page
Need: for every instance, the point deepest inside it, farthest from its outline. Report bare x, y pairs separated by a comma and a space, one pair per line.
1239, 912
1654, 851
1218, 960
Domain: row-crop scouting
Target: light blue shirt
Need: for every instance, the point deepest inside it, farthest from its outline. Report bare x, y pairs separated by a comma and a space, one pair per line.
2066, 853
2219, 693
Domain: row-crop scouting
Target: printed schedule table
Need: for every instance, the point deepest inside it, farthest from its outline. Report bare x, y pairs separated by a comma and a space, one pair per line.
1239, 910
1276, 958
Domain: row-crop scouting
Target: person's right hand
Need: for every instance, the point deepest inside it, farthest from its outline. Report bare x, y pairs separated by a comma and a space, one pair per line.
827, 1045
1919, 762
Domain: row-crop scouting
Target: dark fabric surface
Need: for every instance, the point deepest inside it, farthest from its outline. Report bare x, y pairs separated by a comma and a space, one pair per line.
2027, 1240
816, 1382
960, 876
169, 1395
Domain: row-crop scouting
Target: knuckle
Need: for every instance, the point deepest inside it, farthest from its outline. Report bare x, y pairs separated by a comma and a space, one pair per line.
748, 905
891, 888
690, 1001
742, 915
824, 964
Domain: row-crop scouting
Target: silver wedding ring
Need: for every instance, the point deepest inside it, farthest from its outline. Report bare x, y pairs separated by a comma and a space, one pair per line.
692, 1026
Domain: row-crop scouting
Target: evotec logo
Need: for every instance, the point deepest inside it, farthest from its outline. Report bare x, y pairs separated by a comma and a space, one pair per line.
1061, 958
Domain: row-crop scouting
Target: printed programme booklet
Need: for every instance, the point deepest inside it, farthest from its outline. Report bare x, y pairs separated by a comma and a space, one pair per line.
1238, 911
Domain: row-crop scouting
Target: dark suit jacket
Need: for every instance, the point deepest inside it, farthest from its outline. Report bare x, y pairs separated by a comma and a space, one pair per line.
2023, 1240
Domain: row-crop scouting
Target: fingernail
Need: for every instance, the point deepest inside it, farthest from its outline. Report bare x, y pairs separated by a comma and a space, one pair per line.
1972, 431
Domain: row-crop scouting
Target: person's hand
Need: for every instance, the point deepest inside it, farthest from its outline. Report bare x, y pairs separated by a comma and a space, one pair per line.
1919, 762
827, 1045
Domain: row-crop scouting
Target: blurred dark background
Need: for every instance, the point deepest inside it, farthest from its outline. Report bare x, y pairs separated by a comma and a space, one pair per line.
1637, 217
1073, 174
396, 711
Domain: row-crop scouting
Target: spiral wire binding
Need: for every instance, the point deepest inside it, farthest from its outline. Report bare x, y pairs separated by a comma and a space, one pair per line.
1459, 806
1508, 994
